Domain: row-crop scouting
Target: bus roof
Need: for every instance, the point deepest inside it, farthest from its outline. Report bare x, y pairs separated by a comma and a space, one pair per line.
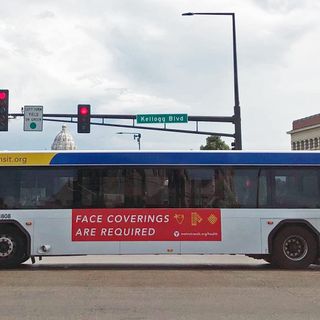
90, 158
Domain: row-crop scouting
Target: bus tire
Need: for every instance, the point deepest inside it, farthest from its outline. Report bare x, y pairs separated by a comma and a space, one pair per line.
294, 247
12, 247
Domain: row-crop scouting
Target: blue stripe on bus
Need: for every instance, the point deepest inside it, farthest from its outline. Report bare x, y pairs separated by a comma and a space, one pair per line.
185, 158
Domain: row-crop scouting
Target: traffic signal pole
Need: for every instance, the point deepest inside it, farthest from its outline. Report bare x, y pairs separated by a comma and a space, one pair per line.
237, 113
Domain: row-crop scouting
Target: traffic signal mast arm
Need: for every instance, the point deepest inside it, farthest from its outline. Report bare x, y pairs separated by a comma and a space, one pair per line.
73, 118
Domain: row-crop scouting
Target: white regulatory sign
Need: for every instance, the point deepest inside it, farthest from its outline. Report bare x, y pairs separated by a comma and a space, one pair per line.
33, 118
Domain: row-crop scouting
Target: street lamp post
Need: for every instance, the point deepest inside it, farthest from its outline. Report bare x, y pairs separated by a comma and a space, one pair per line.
136, 135
237, 114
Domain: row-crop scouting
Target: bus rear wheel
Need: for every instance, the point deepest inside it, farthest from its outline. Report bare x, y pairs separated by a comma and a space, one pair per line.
294, 247
12, 247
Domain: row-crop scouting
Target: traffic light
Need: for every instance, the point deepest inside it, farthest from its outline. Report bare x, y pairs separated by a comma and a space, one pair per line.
233, 144
4, 106
83, 118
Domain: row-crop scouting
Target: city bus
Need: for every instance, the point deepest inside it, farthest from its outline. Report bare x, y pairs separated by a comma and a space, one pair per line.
264, 205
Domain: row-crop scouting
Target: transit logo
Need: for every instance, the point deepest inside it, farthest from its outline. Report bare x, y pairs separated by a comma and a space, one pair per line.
176, 234
146, 224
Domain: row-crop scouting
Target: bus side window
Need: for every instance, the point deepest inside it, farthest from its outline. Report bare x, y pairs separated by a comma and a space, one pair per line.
212, 188
225, 188
263, 191
156, 188
9, 190
88, 188
63, 190
310, 190
202, 187
134, 188
179, 188
112, 187
281, 193
245, 184
295, 188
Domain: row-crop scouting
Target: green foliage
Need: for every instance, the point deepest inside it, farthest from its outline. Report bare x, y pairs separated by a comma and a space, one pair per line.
215, 143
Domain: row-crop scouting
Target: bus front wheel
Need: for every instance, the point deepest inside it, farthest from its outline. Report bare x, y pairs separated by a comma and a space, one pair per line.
12, 247
294, 247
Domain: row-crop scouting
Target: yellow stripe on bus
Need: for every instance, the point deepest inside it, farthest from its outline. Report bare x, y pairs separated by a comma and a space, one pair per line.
25, 159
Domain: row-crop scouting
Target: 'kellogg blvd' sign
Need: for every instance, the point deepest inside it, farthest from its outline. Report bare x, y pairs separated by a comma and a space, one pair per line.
162, 118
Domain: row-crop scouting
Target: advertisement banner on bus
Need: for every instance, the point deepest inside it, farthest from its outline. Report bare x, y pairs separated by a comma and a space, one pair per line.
146, 224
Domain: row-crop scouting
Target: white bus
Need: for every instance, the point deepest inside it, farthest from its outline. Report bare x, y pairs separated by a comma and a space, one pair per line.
259, 204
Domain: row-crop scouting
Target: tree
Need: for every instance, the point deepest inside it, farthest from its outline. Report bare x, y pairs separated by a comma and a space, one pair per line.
215, 143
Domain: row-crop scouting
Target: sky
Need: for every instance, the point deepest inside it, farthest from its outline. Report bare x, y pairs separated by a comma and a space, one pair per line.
143, 56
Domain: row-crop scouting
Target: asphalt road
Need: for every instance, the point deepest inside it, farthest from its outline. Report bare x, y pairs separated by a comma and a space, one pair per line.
156, 287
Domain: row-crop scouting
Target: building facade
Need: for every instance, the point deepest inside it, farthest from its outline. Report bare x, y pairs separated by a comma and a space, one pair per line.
305, 133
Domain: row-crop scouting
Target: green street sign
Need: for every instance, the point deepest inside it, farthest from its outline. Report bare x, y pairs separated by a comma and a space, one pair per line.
162, 118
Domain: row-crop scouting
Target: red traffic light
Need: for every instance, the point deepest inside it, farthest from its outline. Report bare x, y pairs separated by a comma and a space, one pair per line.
3, 95
84, 118
4, 109
84, 111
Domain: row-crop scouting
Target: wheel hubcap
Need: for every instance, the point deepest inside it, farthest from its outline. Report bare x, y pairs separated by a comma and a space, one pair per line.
295, 248
6, 246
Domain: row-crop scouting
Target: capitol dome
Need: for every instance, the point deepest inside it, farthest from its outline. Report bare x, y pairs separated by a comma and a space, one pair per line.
63, 140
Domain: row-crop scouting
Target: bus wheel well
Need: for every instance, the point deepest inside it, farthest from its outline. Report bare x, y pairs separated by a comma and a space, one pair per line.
293, 223
15, 227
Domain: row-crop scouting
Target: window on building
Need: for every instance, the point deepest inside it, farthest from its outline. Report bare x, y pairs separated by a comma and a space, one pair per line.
311, 143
